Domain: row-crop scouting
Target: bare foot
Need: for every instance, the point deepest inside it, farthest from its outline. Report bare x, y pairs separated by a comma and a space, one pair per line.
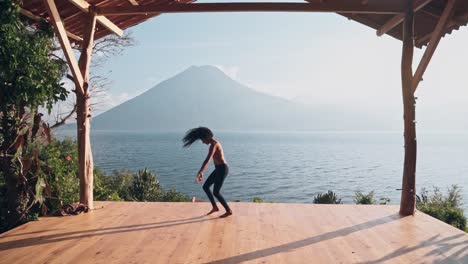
214, 210
228, 213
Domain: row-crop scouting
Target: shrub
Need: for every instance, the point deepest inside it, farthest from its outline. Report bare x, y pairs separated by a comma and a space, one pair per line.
327, 198
62, 172
384, 200
30, 82
173, 196
125, 185
145, 186
102, 187
446, 208
257, 200
362, 198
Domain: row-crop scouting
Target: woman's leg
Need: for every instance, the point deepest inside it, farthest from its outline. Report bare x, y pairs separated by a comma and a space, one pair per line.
218, 183
206, 188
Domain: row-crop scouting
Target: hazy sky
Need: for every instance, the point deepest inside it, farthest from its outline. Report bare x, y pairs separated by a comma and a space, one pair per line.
314, 58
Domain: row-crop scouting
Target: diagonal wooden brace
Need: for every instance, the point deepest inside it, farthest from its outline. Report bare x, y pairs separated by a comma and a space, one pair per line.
433, 43
64, 42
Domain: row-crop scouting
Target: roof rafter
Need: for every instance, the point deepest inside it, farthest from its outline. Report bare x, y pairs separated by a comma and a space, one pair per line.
84, 6
340, 6
454, 22
396, 20
30, 15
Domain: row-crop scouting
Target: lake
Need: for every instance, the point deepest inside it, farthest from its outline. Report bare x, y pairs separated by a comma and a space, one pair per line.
291, 167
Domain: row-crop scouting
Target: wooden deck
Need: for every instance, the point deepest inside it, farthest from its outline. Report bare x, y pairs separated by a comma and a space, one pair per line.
124, 232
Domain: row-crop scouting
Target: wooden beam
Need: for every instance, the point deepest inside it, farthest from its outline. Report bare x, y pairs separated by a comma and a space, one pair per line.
133, 2
439, 32
74, 37
84, 6
339, 6
408, 193
64, 42
30, 15
455, 21
396, 20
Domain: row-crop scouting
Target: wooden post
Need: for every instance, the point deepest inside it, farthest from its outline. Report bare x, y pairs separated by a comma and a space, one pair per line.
85, 156
408, 200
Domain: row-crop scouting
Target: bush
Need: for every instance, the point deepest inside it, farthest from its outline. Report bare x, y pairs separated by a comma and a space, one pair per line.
257, 200
102, 190
62, 172
142, 186
145, 186
173, 196
446, 208
327, 198
361, 198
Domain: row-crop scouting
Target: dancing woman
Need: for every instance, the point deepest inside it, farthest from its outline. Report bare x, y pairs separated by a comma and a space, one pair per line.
218, 176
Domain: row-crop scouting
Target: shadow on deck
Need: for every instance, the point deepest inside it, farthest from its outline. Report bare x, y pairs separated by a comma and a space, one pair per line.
126, 232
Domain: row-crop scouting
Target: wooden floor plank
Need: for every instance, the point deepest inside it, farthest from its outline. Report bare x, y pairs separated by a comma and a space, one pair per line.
127, 232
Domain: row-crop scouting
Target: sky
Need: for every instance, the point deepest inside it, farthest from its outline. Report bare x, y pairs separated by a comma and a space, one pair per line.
311, 58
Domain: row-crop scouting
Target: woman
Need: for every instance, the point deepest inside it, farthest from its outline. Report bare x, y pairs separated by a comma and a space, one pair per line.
221, 169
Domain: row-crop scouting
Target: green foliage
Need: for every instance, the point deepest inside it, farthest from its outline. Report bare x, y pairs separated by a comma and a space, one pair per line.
257, 200
28, 74
62, 174
172, 195
384, 200
142, 186
115, 187
446, 208
327, 198
362, 198
102, 190
29, 78
145, 186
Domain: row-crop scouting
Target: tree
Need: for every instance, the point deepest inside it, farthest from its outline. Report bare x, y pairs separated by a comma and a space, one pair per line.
29, 78
99, 83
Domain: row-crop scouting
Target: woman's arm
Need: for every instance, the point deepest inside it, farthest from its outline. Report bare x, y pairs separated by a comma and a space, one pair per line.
208, 158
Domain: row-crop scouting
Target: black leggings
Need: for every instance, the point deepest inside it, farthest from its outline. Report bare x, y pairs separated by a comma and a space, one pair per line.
217, 178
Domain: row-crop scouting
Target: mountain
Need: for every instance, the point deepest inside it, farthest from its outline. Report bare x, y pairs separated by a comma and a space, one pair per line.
205, 96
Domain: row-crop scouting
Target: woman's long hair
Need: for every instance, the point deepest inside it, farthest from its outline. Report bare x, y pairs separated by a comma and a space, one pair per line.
195, 134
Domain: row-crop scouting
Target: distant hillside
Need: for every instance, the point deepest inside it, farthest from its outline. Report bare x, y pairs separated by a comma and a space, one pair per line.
206, 96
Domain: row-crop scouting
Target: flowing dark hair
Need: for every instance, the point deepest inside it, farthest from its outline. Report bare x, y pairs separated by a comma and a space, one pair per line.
195, 134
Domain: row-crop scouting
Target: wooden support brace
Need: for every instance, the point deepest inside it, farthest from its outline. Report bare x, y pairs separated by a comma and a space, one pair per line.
397, 19
84, 6
433, 43
64, 42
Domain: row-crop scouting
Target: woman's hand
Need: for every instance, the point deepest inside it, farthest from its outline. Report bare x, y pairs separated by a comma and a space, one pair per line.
199, 177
